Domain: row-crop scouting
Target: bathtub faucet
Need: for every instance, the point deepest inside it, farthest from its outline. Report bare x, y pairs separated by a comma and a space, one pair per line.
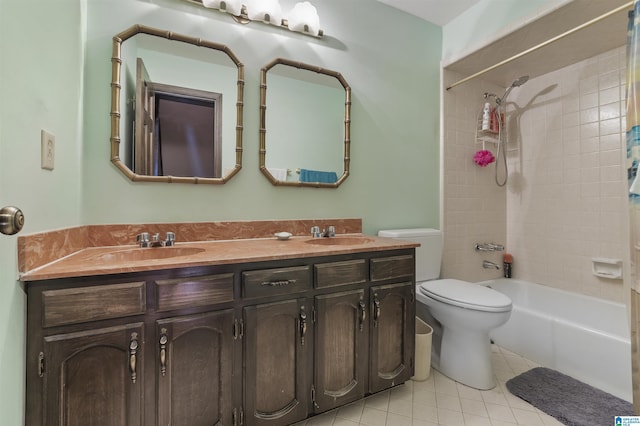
488, 247
486, 264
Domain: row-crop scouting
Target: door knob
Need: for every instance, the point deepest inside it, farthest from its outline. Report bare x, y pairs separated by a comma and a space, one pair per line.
11, 220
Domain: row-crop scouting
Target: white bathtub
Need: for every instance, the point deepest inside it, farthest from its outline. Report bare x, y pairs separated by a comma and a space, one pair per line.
584, 337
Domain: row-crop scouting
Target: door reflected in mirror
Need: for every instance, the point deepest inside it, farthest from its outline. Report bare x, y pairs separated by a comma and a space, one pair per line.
177, 130
305, 125
179, 108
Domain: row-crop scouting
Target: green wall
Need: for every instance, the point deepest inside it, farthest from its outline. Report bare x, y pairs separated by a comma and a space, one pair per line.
55, 74
41, 73
393, 71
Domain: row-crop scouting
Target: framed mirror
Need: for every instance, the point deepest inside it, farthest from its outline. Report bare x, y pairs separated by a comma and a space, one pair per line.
305, 123
176, 108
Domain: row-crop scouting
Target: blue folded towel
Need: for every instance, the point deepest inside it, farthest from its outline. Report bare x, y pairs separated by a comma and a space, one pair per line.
318, 176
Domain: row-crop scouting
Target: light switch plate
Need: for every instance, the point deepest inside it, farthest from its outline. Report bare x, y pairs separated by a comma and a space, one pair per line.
48, 150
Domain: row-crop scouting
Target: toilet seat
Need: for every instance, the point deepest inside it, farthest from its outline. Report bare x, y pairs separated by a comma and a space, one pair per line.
466, 295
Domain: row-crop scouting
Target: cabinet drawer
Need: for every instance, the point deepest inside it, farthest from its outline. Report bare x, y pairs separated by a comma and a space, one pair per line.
271, 282
75, 305
386, 268
192, 292
341, 273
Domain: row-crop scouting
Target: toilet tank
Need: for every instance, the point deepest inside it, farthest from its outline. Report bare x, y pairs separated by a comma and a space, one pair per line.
428, 255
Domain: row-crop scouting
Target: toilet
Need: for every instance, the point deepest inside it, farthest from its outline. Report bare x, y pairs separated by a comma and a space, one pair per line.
461, 313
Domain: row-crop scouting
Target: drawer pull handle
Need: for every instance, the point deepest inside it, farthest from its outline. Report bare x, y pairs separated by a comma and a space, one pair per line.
280, 283
133, 354
303, 326
163, 351
363, 314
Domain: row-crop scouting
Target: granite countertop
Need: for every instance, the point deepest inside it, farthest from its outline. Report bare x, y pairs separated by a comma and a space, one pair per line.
109, 260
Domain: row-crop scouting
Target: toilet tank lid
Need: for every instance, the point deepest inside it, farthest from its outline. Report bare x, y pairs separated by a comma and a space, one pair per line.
408, 233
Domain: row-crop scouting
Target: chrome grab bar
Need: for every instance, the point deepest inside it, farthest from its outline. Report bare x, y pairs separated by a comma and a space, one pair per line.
488, 247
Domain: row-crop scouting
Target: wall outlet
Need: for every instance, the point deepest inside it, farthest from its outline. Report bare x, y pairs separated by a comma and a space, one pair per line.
48, 150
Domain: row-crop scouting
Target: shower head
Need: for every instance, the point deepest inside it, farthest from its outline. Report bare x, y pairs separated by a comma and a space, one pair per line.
520, 81
517, 83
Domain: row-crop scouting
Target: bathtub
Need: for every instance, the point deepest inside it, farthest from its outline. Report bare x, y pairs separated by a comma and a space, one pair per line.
581, 336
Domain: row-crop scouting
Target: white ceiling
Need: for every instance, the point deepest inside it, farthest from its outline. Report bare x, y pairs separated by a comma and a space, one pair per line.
439, 12
599, 37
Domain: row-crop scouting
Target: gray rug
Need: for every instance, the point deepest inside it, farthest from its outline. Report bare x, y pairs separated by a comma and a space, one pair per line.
568, 400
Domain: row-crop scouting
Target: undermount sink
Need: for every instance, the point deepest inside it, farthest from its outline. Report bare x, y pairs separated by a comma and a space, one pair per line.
138, 254
339, 241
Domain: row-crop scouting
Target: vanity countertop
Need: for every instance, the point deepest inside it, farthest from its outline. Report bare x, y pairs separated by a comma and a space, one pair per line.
124, 259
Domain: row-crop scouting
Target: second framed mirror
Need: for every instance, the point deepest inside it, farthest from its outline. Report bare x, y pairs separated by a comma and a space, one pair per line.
305, 118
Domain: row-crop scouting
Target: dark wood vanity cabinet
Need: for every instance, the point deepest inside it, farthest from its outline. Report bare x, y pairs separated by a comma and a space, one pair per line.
276, 360
341, 351
194, 369
267, 343
93, 377
392, 335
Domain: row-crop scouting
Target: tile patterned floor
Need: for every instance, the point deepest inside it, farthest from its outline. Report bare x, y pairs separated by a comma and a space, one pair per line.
440, 401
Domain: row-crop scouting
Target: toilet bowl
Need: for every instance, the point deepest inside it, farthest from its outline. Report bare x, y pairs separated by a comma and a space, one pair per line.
466, 314
461, 313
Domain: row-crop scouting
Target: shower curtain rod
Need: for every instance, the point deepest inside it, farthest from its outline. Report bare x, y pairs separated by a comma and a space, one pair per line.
543, 44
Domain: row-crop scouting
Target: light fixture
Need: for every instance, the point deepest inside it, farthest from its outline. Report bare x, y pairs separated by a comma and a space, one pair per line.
233, 7
267, 11
304, 18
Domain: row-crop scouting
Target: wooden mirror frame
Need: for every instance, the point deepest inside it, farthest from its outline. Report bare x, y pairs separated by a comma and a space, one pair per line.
116, 65
263, 130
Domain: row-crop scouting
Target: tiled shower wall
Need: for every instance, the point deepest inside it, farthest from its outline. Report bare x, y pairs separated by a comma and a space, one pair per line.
565, 202
474, 207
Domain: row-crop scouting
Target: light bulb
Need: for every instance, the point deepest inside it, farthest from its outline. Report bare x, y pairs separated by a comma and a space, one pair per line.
233, 7
268, 11
304, 18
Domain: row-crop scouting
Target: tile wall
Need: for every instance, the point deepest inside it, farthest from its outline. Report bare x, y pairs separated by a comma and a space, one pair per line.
474, 207
565, 201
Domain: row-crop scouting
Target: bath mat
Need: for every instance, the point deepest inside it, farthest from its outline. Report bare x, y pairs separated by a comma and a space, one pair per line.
568, 400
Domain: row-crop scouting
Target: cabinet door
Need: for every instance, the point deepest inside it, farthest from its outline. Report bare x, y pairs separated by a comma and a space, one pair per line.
341, 349
392, 335
195, 369
94, 378
276, 356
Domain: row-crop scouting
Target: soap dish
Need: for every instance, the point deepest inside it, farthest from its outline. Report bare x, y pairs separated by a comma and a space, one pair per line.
607, 268
283, 235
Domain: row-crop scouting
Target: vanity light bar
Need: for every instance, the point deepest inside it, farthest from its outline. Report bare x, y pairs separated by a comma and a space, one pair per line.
243, 18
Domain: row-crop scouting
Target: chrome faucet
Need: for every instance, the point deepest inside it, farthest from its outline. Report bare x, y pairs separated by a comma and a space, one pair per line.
329, 232
486, 264
145, 240
488, 247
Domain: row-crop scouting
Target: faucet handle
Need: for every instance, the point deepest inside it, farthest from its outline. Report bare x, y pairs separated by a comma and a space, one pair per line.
331, 231
143, 239
170, 238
